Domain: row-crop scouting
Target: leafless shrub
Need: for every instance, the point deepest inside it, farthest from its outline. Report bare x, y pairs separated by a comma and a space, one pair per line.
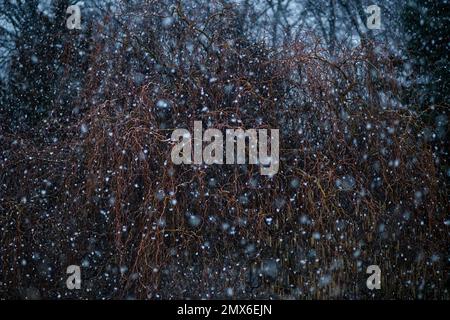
356, 186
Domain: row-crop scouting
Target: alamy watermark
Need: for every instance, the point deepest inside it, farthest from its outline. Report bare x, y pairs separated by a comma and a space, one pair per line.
74, 280
374, 20
74, 20
374, 280
189, 149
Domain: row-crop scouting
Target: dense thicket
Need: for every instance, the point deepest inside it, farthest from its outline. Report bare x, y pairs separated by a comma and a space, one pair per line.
92, 184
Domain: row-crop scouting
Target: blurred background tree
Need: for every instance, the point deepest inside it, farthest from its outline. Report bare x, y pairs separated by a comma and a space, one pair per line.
42, 62
427, 29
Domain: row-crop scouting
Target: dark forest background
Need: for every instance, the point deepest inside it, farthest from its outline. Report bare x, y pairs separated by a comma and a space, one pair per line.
86, 178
